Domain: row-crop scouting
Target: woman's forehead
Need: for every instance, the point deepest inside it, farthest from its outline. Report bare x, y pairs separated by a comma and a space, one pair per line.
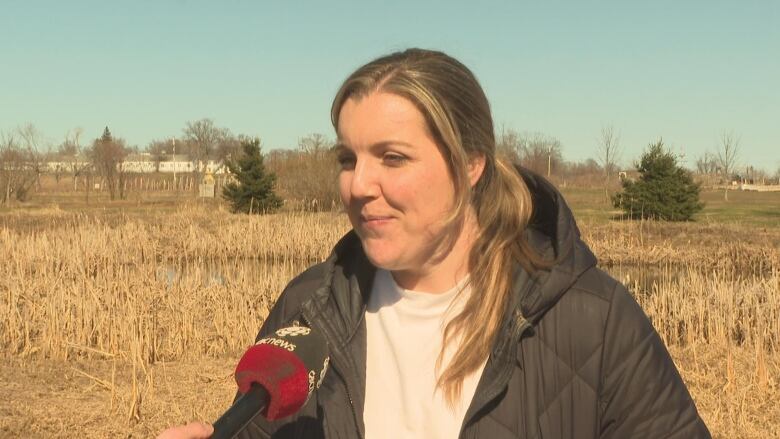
378, 118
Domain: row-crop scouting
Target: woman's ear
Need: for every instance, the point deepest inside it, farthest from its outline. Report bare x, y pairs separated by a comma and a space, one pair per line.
475, 167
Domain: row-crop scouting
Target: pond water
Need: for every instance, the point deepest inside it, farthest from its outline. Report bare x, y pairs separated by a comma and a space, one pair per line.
643, 277
221, 273
208, 273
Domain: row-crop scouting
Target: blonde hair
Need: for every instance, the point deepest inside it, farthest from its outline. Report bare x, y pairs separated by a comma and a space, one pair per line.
458, 114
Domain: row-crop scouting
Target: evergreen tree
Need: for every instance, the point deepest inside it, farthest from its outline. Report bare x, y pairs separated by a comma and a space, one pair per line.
664, 190
108, 154
253, 190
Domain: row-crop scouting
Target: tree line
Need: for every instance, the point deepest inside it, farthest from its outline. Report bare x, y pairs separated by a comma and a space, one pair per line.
306, 174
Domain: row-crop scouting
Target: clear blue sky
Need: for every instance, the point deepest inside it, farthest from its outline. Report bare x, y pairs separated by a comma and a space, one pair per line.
684, 70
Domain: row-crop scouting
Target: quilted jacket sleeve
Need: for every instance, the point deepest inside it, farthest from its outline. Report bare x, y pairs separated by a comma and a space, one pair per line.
642, 394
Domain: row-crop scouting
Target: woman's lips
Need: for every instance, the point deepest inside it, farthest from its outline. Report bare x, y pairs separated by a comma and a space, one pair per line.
375, 221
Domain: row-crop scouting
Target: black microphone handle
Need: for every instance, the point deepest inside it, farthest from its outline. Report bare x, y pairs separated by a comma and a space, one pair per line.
246, 407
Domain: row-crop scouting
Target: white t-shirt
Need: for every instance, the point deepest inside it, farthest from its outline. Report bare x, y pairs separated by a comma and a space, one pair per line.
404, 332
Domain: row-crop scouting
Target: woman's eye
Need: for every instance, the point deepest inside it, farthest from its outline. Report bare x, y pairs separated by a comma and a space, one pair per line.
346, 161
394, 159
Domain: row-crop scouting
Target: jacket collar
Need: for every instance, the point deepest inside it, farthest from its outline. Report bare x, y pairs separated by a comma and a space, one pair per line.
344, 292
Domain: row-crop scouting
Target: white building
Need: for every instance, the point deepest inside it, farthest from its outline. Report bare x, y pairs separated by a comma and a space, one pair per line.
68, 164
141, 163
176, 163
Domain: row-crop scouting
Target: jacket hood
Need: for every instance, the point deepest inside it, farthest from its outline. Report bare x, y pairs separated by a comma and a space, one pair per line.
554, 234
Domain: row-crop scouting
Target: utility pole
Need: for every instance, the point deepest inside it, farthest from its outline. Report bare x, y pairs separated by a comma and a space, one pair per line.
549, 161
174, 161
75, 160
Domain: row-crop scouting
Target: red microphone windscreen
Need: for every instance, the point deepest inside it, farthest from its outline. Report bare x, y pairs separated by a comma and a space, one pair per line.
288, 364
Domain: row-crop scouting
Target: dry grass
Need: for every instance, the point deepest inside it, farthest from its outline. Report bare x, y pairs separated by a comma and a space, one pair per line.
709, 246
89, 296
724, 333
83, 288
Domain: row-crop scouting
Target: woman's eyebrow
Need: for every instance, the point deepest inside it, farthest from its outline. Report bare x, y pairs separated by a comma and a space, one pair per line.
386, 143
341, 146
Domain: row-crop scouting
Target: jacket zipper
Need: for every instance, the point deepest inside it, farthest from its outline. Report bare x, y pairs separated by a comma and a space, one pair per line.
343, 380
351, 402
495, 390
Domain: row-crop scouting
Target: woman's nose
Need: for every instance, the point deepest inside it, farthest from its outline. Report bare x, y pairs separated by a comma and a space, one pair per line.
365, 180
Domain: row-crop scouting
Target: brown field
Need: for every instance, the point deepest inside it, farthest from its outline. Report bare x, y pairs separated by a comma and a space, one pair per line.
114, 323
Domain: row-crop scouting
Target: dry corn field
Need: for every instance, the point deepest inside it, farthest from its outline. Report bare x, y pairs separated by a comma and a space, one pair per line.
119, 326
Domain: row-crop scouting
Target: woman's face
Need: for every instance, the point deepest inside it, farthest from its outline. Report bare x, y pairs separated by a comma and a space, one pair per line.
394, 181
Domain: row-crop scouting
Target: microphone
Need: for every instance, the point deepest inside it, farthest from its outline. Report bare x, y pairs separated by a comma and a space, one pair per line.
276, 377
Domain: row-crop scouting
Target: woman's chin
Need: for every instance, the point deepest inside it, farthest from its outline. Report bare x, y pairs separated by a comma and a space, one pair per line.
382, 256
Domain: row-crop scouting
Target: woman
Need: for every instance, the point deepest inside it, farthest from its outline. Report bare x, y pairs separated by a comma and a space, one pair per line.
464, 303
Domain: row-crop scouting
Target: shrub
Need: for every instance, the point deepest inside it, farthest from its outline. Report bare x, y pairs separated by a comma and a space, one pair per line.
252, 192
664, 190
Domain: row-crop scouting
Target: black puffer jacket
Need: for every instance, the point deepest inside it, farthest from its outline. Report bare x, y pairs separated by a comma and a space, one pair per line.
575, 358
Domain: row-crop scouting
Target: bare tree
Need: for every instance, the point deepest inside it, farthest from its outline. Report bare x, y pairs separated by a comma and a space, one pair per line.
608, 154
229, 147
540, 153
585, 173
20, 162
309, 174
508, 145
108, 155
159, 150
315, 144
707, 164
536, 151
33, 144
9, 154
203, 137
609, 149
728, 151
71, 155
755, 175
318, 162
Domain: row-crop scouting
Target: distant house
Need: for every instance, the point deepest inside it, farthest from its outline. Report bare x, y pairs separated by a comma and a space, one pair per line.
67, 163
182, 163
141, 163
176, 163
215, 167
